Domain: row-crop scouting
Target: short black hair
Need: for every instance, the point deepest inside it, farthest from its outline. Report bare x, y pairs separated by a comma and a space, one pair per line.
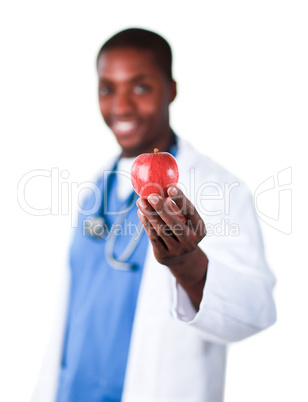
144, 40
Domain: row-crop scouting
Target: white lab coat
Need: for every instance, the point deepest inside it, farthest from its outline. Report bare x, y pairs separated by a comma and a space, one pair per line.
176, 354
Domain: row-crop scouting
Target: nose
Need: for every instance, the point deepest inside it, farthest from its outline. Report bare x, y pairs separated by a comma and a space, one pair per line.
122, 104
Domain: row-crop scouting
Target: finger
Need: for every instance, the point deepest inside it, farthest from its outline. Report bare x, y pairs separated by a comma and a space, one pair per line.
168, 214
175, 209
155, 239
162, 228
153, 209
146, 206
188, 210
181, 232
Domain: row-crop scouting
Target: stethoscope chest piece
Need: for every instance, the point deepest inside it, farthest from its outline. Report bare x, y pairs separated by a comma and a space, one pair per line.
97, 227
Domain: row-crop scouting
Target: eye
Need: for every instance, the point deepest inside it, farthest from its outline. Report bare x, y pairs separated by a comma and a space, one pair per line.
104, 90
141, 89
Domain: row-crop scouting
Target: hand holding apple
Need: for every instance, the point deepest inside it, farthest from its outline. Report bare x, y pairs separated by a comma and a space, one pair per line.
175, 240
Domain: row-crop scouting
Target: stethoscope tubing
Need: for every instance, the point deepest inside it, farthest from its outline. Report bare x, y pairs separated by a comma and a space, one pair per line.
119, 263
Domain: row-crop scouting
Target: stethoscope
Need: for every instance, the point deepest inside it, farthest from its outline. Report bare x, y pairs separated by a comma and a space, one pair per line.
102, 231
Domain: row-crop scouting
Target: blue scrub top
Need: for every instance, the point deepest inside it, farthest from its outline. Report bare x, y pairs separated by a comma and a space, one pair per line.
101, 307
101, 310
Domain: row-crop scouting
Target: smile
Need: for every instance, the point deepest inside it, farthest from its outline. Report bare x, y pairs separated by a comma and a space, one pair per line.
124, 127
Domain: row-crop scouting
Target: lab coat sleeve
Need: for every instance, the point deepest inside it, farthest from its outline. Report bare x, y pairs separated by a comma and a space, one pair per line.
237, 297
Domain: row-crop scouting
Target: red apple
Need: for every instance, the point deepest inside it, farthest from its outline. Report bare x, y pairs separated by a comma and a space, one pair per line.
154, 173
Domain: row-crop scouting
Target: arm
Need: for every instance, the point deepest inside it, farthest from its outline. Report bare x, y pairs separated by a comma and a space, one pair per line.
229, 286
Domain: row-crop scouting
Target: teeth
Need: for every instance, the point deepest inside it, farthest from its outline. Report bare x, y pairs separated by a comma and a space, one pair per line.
124, 126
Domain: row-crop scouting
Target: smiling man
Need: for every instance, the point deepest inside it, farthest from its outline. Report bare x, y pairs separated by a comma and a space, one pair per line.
134, 98
150, 312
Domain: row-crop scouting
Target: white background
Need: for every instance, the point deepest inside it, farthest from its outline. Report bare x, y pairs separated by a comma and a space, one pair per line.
241, 68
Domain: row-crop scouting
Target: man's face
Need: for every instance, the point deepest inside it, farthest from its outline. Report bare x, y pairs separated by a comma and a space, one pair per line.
134, 98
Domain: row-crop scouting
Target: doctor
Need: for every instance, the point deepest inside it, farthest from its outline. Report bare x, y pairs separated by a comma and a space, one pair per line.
150, 312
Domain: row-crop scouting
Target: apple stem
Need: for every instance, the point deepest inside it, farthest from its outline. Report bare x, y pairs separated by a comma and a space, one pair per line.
155, 150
